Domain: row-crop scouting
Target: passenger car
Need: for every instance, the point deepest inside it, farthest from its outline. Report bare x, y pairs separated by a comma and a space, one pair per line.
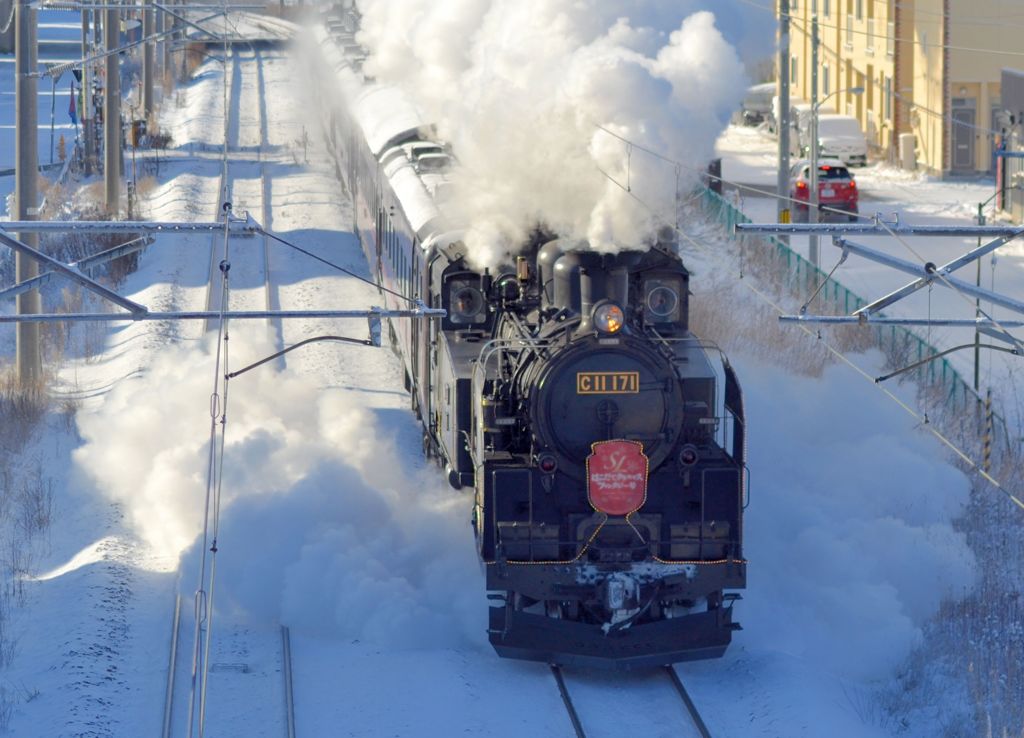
837, 190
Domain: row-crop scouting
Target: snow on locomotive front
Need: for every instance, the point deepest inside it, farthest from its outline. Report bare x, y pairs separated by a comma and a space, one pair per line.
608, 456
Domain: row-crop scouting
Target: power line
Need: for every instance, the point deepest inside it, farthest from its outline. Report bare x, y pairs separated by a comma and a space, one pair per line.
922, 418
801, 21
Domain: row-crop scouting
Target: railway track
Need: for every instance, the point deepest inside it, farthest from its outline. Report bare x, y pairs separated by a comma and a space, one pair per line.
174, 680
244, 186
693, 726
240, 663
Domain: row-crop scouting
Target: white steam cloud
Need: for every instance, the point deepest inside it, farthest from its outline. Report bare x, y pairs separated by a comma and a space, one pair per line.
329, 527
850, 531
325, 526
537, 96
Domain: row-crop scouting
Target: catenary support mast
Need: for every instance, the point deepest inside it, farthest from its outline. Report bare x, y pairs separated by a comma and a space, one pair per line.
112, 115
26, 193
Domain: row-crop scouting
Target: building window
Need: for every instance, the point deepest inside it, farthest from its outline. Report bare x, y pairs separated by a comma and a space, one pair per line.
871, 35
888, 98
859, 4
825, 88
794, 5
826, 8
792, 71
849, 29
890, 38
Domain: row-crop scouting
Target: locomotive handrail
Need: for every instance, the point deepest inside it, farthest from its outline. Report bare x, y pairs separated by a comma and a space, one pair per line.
497, 345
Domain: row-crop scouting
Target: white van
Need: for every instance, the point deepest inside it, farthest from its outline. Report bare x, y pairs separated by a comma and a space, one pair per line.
800, 127
840, 137
757, 104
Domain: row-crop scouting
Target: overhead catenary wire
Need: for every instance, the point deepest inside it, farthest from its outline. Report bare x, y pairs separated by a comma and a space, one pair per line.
327, 262
921, 417
1012, 339
937, 274
215, 460
214, 476
10, 18
802, 21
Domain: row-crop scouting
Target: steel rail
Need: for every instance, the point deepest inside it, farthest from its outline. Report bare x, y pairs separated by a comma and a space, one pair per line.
265, 199
690, 707
289, 694
556, 671
171, 669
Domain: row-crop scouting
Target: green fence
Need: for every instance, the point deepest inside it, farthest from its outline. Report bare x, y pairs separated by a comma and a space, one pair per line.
946, 384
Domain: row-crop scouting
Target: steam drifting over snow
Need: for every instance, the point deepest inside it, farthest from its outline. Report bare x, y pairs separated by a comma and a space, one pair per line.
326, 526
523, 90
850, 533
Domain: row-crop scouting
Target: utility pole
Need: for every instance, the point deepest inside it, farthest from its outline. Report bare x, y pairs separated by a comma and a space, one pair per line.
977, 309
784, 206
112, 115
86, 112
26, 196
147, 60
158, 69
812, 210
169, 22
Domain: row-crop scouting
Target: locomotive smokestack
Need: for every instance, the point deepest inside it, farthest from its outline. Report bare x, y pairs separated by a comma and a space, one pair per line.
580, 278
605, 277
548, 254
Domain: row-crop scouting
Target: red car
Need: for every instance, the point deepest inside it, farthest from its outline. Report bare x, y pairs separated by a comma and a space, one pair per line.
837, 191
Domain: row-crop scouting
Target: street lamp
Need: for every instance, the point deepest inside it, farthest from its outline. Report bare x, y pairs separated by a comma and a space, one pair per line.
813, 213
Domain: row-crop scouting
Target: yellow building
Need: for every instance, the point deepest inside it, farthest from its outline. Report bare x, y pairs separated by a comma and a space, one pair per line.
930, 68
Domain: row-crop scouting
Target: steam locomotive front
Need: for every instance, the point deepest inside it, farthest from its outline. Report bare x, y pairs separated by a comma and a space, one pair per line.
608, 509
607, 379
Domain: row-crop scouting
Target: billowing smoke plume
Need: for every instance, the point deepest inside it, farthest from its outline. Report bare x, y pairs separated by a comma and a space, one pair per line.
325, 525
553, 107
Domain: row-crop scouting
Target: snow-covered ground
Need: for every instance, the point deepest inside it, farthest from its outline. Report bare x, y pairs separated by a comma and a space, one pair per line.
334, 525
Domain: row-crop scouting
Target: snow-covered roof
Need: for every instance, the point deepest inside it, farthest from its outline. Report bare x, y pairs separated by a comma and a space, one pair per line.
386, 115
417, 203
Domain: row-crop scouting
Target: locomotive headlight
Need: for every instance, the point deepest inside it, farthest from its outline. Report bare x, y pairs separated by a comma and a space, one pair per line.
609, 318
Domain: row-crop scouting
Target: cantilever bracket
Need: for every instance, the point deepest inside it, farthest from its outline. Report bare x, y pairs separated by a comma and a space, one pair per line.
72, 274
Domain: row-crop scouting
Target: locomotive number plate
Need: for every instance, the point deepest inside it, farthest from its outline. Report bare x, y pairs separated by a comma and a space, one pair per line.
607, 383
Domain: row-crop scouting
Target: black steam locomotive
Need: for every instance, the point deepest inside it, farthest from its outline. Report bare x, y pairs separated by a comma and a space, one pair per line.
604, 442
